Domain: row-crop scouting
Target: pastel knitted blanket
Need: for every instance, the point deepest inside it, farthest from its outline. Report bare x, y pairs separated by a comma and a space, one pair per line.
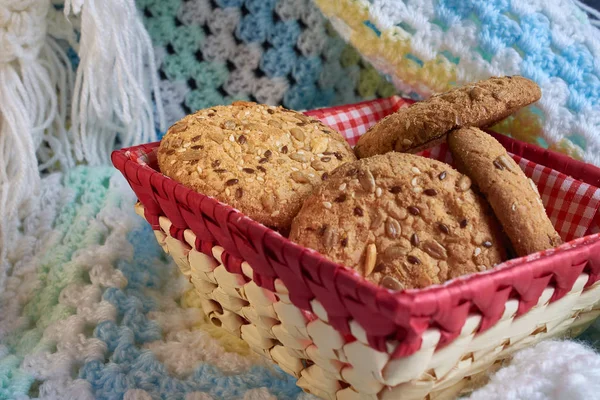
92, 308
429, 46
95, 309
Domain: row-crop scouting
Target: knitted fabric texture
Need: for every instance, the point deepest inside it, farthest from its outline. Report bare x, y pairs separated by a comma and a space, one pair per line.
95, 309
92, 308
428, 46
108, 97
275, 52
572, 372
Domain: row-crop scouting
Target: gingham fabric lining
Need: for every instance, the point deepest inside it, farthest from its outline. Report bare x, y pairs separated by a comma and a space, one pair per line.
572, 205
353, 120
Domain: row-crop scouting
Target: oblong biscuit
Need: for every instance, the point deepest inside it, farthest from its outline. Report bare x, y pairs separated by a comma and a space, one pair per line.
513, 197
425, 123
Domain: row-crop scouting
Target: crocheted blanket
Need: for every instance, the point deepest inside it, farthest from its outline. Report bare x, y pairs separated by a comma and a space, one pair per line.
95, 309
269, 51
431, 45
92, 307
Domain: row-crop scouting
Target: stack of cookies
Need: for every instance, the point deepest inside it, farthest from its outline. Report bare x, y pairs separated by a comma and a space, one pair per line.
400, 220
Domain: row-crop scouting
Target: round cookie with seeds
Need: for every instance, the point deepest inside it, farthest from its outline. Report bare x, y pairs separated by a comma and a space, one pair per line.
426, 123
513, 197
259, 159
402, 221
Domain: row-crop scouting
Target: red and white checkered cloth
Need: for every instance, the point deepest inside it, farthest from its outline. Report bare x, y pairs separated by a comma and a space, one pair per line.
353, 120
571, 204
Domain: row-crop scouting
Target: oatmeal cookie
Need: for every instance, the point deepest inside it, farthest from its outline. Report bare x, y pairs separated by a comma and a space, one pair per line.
426, 123
259, 159
514, 197
402, 221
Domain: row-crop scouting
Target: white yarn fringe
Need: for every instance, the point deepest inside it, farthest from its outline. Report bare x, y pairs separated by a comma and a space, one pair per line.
591, 11
34, 87
110, 99
112, 95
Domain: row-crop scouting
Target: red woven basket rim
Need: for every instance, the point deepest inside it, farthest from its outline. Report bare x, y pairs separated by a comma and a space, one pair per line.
419, 301
119, 156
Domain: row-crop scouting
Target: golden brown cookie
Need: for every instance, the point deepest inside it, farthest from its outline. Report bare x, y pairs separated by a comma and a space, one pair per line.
513, 197
426, 123
401, 220
259, 159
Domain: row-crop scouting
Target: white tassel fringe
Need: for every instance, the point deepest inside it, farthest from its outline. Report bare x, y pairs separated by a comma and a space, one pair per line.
595, 21
112, 96
110, 99
34, 86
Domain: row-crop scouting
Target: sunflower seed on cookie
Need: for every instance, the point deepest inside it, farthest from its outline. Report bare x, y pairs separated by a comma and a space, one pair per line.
426, 123
259, 159
398, 238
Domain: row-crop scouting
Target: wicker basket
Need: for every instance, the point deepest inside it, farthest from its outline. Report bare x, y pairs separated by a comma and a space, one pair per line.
345, 338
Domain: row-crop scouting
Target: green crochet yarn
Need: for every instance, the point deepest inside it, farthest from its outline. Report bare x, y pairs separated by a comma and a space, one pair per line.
275, 52
186, 39
349, 56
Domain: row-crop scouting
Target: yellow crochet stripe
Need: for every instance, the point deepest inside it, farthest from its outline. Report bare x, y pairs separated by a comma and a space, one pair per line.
388, 51
394, 43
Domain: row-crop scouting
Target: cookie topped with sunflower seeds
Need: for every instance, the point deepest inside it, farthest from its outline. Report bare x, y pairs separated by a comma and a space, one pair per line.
511, 194
402, 221
259, 159
426, 123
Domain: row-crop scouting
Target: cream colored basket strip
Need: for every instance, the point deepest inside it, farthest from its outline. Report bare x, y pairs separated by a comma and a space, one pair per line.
318, 355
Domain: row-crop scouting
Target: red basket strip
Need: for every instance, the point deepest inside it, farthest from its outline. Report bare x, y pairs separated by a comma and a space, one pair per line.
572, 204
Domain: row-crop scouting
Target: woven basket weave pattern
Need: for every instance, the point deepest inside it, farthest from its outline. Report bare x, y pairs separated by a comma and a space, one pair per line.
344, 336
293, 339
